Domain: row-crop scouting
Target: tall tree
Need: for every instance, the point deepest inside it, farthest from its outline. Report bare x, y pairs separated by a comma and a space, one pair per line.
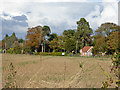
107, 28
45, 32
34, 37
83, 33
9, 40
69, 40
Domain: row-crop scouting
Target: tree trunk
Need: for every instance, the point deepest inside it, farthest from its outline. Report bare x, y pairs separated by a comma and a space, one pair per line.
42, 48
76, 45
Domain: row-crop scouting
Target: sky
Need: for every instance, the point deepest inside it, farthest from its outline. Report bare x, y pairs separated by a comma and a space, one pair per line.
17, 15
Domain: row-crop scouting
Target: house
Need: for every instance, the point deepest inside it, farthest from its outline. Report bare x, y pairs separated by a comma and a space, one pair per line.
86, 51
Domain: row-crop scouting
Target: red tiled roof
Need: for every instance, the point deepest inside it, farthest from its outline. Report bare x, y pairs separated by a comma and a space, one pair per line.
86, 48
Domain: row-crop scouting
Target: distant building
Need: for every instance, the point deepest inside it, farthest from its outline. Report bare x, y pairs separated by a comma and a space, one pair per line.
86, 51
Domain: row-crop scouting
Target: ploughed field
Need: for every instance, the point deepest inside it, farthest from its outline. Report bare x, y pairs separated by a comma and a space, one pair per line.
34, 71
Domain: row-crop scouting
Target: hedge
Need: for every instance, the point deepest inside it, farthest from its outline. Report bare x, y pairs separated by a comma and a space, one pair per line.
49, 53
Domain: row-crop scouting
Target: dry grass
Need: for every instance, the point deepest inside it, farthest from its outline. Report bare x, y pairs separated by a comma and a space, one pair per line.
56, 71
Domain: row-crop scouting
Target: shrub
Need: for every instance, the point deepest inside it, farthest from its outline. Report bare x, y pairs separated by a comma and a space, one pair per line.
36, 53
17, 51
26, 49
49, 53
11, 50
11, 77
0, 50
57, 54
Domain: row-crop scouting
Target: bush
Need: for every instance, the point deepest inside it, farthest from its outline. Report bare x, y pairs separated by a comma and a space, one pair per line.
11, 77
17, 51
11, 50
56, 53
26, 50
49, 53
0, 50
36, 53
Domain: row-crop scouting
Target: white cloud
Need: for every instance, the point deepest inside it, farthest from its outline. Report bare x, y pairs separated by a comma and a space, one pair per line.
19, 1
110, 0
108, 14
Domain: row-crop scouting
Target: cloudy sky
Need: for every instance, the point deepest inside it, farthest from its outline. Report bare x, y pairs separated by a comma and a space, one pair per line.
17, 15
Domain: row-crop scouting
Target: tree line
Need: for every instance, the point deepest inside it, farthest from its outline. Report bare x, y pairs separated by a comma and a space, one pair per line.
105, 39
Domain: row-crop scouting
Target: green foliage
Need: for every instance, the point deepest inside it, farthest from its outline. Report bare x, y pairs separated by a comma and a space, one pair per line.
107, 38
113, 42
46, 30
17, 48
107, 28
20, 40
56, 44
52, 36
9, 40
70, 45
69, 40
49, 53
100, 44
67, 34
83, 33
11, 50
17, 51
0, 50
81, 64
26, 49
11, 80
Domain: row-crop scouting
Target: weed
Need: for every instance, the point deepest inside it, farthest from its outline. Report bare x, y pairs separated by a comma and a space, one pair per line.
11, 82
81, 64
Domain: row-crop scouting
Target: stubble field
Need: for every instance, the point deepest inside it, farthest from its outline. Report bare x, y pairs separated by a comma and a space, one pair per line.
56, 71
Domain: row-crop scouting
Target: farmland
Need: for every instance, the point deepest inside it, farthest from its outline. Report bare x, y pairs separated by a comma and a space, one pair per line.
34, 71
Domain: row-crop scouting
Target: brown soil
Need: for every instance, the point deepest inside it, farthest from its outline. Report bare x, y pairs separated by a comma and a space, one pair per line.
56, 71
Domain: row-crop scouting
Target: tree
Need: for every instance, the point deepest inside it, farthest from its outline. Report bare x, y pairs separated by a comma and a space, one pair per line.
45, 32
99, 44
60, 43
83, 33
70, 45
9, 40
53, 44
20, 40
107, 28
56, 44
67, 34
17, 48
68, 37
113, 42
52, 36
34, 37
